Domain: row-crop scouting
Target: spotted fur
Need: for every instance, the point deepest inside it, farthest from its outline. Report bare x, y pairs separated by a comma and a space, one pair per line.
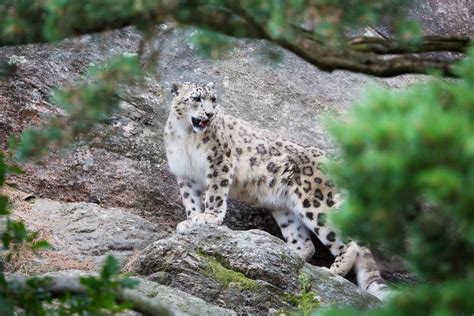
228, 157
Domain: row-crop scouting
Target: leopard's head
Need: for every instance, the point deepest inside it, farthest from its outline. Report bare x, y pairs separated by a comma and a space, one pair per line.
195, 103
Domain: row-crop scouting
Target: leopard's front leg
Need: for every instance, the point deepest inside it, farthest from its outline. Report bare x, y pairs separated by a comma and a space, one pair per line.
218, 181
191, 195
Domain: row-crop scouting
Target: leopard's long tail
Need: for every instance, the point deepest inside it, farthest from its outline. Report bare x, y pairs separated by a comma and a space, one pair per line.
368, 275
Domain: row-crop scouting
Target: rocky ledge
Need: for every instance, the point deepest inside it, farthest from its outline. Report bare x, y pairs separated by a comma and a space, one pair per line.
250, 272
213, 270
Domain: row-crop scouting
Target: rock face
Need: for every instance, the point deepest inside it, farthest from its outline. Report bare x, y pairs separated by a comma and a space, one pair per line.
182, 302
211, 271
447, 18
81, 235
122, 164
86, 231
121, 169
202, 262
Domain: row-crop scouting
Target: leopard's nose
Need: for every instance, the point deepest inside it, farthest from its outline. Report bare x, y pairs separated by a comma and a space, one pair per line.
209, 115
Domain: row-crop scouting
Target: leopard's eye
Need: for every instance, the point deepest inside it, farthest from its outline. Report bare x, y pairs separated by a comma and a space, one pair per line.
213, 99
197, 99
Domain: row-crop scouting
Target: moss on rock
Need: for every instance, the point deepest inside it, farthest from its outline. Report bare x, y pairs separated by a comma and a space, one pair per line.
226, 276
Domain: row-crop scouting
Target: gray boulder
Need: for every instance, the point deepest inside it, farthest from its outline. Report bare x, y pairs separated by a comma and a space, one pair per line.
81, 235
250, 272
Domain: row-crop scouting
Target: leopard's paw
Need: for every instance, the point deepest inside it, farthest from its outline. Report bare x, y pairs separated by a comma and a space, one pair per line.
326, 269
205, 219
198, 220
344, 262
184, 226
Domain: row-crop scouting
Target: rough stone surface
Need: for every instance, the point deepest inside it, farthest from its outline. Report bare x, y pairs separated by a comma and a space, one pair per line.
181, 303
83, 233
445, 18
122, 163
181, 262
85, 229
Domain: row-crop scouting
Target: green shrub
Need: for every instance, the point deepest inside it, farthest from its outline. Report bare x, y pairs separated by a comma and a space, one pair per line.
407, 162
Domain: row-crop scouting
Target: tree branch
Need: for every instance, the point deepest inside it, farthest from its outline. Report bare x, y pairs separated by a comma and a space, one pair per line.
367, 63
381, 57
428, 44
313, 51
59, 286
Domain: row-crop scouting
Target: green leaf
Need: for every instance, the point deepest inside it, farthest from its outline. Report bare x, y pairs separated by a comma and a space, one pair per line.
40, 244
110, 268
3, 168
6, 309
14, 169
4, 205
19, 231
129, 283
6, 240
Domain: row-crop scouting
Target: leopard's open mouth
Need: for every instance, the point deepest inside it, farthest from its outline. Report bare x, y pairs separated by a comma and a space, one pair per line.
199, 123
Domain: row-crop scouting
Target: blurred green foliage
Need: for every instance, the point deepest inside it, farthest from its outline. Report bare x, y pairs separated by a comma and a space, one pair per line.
100, 297
407, 162
27, 21
31, 298
319, 31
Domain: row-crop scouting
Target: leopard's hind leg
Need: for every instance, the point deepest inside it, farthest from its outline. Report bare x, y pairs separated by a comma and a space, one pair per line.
295, 233
313, 214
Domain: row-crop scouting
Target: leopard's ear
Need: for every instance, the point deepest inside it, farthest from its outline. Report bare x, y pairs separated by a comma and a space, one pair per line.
210, 85
175, 87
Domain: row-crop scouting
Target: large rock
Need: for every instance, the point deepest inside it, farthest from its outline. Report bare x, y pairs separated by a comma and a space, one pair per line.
81, 235
250, 272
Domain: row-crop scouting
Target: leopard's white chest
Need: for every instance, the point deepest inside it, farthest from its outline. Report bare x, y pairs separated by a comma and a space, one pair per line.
185, 157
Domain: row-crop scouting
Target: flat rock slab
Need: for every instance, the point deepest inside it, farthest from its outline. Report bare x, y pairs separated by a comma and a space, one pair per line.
81, 235
185, 262
87, 230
